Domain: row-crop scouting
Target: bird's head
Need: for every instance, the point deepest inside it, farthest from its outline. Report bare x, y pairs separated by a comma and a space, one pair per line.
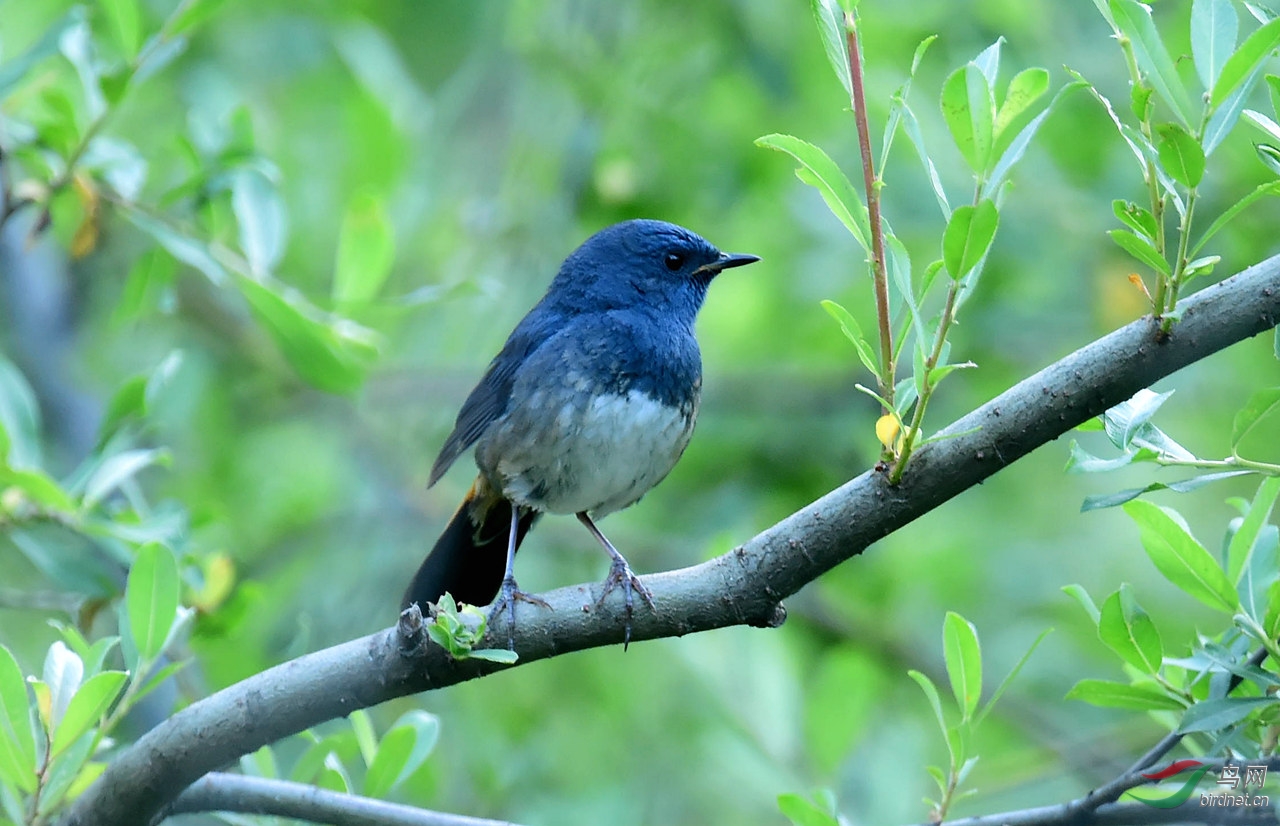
644, 263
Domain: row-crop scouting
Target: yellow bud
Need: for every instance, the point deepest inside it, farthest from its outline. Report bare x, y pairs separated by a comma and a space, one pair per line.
887, 429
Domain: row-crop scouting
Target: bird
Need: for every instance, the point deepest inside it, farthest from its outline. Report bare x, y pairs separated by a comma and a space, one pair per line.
588, 406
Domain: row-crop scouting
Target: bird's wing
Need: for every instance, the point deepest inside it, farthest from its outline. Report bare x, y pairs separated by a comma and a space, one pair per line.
489, 399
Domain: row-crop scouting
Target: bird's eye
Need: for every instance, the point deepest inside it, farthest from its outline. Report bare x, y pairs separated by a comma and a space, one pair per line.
674, 261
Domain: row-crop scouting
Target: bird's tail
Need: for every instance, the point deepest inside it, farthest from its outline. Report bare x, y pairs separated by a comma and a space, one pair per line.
470, 557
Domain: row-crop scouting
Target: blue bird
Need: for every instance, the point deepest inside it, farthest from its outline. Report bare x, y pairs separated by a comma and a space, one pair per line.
589, 404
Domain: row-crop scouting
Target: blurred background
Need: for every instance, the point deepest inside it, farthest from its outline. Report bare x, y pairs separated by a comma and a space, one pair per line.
497, 136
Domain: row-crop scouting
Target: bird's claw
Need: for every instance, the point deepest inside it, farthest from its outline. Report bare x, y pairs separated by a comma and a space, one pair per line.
507, 598
620, 574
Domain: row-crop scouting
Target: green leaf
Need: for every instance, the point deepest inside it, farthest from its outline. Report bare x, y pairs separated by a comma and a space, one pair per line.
260, 217
17, 741
125, 26
1180, 154
823, 174
366, 250
192, 14
1269, 155
853, 332
1263, 190
1213, 37
493, 655
401, 752
1111, 500
16, 70
151, 597
968, 236
1110, 694
1180, 558
19, 418
963, 656
1141, 249
1013, 673
62, 674
1255, 49
40, 488
968, 109
1219, 713
1137, 218
931, 694
116, 470
803, 812
1128, 630
1134, 20
1026, 88
331, 354
1240, 548
1018, 146
189, 251
1081, 596
1261, 404
830, 20
87, 708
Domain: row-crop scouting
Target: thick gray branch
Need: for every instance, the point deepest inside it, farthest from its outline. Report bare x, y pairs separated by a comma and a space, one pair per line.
743, 586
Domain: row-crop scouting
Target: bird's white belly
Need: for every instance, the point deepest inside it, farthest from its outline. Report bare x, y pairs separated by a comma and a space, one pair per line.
598, 455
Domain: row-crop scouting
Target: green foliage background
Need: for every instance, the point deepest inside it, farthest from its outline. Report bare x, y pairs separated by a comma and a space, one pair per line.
498, 135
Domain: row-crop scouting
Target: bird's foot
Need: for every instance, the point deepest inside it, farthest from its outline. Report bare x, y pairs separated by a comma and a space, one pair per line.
508, 596
620, 574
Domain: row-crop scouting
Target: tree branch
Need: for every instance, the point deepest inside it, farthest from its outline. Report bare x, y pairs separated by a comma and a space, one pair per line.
219, 792
741, 587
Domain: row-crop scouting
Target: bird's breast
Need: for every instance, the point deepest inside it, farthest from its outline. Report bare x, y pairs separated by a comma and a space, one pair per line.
567, 452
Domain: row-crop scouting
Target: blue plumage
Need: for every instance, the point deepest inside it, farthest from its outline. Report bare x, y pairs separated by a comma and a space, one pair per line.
588, 405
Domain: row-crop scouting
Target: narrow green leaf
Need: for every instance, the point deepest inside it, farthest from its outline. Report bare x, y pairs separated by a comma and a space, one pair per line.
1261, 405
1128, 630
968, 237
331, 354
1180, 558
1013, 673
1255, 49
192, 14
1026, 88
1141, 249
87, 708
260, 218
1219, 713
1018, 146
1081, 596
968, 109
911, 125
1240, 548
931, 694
189, 251
366, 249
151, 597
116, 470
1180, 154
17, 741
803, 812
1137, 218
39, 487
1263, 190
125, 26
963, 656
1110, 694
1111, 500
1134, 20
829, 180
402, 751
830, 21
1213, 37
1273, 88
1269, 155
853, 332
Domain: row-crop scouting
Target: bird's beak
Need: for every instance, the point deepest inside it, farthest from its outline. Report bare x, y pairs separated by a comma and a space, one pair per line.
726, 261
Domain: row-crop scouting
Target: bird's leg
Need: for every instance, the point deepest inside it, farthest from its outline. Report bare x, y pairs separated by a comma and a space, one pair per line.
509, 594
620, 573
